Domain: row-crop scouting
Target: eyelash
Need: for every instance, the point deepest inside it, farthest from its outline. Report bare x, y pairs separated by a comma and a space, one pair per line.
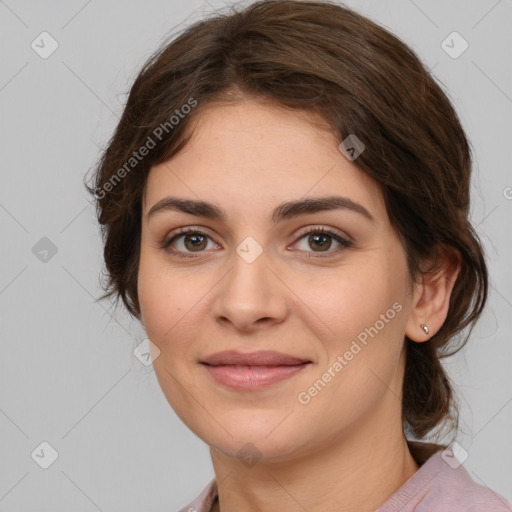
345, 244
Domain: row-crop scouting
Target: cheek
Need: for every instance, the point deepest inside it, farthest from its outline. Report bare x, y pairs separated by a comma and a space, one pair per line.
364, 310
171, 302
353, 297
157, 297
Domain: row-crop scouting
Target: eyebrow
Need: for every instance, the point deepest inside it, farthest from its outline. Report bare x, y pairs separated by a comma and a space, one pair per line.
284, 211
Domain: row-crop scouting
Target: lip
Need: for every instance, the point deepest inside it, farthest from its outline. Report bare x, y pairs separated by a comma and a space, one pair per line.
259, 358
247, 378
254, 370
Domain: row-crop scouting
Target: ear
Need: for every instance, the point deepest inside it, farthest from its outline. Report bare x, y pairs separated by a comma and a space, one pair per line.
431, 297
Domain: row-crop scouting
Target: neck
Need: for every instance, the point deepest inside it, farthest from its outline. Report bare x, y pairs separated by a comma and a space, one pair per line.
356, 473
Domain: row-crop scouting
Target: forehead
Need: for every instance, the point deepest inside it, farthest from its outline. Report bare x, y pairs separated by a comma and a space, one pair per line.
258, 153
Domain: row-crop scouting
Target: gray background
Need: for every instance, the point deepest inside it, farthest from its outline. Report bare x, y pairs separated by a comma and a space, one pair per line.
68, 374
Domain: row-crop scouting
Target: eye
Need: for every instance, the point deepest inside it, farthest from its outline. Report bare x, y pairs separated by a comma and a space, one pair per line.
322, 239
192, 241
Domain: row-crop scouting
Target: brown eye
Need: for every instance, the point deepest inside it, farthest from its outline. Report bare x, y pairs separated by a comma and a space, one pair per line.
187, 242
320, 240
195, 242
317, 240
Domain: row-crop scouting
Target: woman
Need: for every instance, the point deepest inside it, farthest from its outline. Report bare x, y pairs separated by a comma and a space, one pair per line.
285, 209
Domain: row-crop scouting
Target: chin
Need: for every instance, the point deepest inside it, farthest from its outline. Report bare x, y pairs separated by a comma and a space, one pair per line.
251, 451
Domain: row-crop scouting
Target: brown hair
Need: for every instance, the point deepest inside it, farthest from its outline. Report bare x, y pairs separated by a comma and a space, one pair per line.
318, 57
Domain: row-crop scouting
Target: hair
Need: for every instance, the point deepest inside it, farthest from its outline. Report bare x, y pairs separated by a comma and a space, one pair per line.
317, 57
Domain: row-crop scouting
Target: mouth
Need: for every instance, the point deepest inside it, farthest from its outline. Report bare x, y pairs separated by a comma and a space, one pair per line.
253, 371
252, 378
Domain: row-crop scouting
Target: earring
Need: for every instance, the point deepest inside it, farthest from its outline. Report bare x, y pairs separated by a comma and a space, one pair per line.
425, 328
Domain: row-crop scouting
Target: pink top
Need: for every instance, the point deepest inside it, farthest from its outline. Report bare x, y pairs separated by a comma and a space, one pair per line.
439, 485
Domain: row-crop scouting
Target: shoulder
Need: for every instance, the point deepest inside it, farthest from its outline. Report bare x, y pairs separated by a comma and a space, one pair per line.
203, 502
440, 484
444, 485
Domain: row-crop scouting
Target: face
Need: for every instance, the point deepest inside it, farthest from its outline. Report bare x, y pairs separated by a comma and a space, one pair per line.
327, 285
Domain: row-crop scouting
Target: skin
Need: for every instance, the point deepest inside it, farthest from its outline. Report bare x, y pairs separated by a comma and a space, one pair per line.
345, 450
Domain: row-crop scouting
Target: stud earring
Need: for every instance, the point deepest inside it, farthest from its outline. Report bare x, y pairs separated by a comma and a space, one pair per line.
425, 328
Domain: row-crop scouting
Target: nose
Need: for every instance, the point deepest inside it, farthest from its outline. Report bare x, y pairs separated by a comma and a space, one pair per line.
251, 296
